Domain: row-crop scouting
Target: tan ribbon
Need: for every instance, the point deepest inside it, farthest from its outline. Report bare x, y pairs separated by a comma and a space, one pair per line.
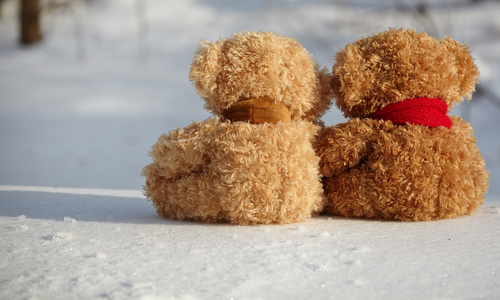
257, 111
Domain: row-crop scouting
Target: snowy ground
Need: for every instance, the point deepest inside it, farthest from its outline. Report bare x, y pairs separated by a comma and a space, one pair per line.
87, 244
80, 112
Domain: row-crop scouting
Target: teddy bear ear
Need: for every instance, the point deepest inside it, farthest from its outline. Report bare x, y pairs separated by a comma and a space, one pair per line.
352, 79
466, 71
205, 67
323, 95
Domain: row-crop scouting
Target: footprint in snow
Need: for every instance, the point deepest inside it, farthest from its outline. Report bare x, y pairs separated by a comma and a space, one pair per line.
493, 210
58, 236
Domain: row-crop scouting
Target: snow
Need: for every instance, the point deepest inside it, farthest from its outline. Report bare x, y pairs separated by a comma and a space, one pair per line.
78, 114
60, 243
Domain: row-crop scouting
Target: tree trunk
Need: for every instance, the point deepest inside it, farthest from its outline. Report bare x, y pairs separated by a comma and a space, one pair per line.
30, 22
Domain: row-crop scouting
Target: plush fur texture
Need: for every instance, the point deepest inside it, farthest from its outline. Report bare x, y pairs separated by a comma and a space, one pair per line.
222, 171
377, 169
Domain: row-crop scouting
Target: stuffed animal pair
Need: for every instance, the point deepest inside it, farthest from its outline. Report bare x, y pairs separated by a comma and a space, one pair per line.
265, 157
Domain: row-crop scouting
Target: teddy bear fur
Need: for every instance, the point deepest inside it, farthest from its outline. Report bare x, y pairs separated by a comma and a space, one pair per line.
374, 168
224, 170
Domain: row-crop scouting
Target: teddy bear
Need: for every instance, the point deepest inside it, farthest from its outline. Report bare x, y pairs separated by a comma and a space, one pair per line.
400, 156
254, 161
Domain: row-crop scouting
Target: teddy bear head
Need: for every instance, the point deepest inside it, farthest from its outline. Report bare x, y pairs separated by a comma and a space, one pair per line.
261, 65
400, 64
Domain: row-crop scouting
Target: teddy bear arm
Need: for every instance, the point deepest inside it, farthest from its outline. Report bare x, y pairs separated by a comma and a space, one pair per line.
182, 151
342, 147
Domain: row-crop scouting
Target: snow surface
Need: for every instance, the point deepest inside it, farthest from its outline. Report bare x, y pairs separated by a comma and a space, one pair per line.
87, 244
80, 111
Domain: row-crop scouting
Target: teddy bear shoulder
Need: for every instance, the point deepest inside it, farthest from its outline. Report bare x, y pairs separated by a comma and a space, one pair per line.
184, 149
373, 129
278, 137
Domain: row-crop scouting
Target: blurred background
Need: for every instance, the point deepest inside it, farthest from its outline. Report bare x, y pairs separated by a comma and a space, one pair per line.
87, 86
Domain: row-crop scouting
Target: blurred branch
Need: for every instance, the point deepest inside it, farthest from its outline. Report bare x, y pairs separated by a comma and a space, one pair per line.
58, 4
30, 15
54, 6
482, 92
420, 12
488, 94
30, 22
142, 28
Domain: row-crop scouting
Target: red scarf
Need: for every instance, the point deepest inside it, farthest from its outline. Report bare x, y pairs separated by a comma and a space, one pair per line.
424, 111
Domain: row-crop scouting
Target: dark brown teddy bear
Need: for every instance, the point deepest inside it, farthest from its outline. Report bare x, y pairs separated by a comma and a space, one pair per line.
254, 163
399, 156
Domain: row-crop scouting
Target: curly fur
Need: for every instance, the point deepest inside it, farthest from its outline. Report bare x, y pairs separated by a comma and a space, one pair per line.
376, 169
238, 172
222, 171
257, 64
395, 65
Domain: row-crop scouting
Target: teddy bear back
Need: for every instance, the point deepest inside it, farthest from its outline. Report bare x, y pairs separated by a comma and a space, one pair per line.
259, 65
401, 64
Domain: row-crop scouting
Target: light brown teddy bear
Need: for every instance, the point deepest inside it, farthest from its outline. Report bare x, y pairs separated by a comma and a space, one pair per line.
254, 163
399, 156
